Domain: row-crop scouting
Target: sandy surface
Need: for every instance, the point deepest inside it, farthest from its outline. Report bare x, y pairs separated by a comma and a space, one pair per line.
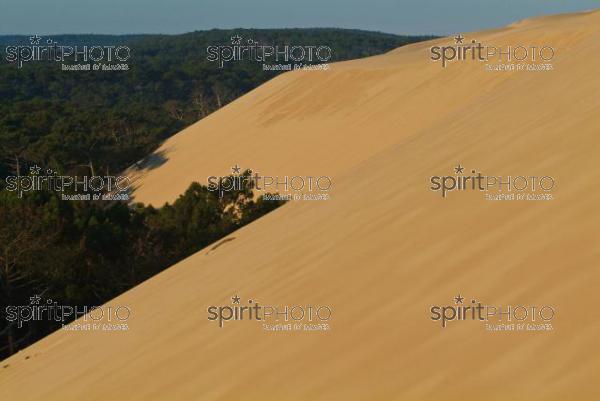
382, 250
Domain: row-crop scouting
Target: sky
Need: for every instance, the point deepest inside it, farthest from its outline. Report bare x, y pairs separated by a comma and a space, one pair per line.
437, 17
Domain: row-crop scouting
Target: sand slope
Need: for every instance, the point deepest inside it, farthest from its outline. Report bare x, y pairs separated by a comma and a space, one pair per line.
382, 250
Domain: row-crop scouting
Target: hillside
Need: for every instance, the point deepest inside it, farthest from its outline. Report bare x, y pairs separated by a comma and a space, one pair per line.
382, 250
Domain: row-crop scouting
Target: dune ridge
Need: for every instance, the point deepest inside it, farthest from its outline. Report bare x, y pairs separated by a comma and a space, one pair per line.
382, 250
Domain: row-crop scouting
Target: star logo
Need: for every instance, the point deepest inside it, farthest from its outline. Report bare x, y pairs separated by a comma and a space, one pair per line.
35, 40
35, 169
459, 39
235, 299
35, 300
458, 299
235, 169
459, 169
236, 40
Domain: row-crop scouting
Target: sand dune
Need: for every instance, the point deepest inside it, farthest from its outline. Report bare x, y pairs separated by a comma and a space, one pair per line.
382, 250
